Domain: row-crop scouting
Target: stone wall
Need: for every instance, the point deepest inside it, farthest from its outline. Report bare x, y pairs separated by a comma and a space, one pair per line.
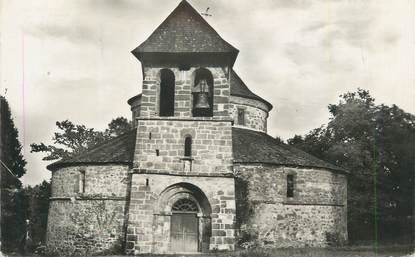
150, 213
315, 216
160, 146
184, 80
256, 113
135, 110
91, 221
83, 226
103, 180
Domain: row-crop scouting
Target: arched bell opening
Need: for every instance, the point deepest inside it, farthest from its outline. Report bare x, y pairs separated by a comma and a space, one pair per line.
202, 92
190, 222
167, 91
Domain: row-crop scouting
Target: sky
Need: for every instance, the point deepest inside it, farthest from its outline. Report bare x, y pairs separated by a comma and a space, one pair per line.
70, 59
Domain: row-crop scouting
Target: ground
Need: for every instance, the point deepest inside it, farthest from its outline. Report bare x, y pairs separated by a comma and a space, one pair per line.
351, 251
306, 252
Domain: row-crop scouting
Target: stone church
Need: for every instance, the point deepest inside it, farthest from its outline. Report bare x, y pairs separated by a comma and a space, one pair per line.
198, 172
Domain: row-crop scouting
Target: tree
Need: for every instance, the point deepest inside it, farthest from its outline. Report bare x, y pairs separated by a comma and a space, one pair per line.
118, 127
36, 201
74, 139
12, 167
279, 140
376, 144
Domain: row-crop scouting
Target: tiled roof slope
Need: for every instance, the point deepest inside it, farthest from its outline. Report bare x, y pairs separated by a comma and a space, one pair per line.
119, 150
248, 147
256, 147
238, 88
184, 31
132, 99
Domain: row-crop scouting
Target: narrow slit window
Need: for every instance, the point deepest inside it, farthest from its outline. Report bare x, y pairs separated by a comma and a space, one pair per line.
147, 182
82, 181
188, 146
290, 185
241, 117
157, 152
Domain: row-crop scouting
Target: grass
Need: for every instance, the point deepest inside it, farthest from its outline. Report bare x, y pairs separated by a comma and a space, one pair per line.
351, 251
361, 251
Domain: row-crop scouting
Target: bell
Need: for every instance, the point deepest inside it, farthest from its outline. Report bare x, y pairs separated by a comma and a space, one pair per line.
202, 101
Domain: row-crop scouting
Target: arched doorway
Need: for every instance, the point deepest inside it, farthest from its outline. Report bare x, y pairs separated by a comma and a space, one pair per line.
184, 233
187, 213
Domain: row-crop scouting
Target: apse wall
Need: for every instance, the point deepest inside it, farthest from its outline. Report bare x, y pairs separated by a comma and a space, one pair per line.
315, 216
86, 211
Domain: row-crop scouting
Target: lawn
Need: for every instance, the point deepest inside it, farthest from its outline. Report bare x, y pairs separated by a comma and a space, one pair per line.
361, 251
351, 251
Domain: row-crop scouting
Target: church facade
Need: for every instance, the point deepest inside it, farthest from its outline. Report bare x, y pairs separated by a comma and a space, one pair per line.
198, 172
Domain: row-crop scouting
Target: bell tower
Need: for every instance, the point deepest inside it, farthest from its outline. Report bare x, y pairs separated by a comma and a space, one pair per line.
184, 138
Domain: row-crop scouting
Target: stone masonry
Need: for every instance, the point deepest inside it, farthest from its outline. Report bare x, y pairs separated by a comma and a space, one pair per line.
149, 220
150, 100
315, 216
90, 221
163, 150
160, 163
256, 113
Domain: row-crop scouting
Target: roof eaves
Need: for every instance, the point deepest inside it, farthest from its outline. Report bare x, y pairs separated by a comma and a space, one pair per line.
56, 165
336, 170
132, 99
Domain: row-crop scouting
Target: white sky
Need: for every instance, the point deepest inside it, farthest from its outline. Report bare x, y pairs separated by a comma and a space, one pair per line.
71, 59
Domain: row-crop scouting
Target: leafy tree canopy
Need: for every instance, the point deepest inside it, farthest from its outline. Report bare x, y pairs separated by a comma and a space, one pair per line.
36, 206
73, 139
376, 143
11, 148
12, 167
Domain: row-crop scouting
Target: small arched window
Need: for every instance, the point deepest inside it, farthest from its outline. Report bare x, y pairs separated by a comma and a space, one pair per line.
80, 187
188, 146
167, 88
241, 116
290, 185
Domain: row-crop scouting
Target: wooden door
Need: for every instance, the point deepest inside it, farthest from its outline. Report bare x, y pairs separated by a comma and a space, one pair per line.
184, 232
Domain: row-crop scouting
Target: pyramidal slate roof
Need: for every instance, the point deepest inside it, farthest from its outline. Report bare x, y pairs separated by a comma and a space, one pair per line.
248, 147
118, 150
184, 31
238, 88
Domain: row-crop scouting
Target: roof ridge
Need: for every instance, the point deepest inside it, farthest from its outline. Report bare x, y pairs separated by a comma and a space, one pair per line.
207, 23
